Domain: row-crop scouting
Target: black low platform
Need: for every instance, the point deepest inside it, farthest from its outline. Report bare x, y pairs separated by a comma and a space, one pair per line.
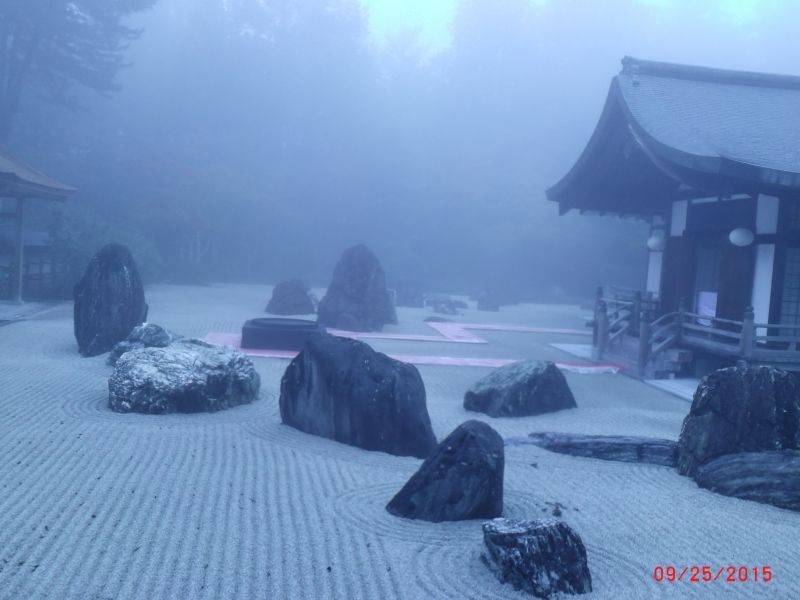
278, 334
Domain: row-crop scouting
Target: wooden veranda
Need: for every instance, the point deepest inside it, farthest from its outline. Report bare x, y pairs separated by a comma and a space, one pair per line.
20, 184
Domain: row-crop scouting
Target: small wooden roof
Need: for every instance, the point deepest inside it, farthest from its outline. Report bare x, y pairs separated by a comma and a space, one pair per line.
671, 131
19, 181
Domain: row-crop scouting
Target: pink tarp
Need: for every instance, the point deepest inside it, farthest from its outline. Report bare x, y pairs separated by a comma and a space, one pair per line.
234, 339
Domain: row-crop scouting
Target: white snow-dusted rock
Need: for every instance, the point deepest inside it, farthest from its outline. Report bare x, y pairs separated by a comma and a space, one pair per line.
541, 557
186, 376
146, 335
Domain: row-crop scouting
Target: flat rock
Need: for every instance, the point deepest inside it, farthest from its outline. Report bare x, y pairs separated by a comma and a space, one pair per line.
740, 409
146, 335
620, 448
462, 479
542, 557
292, 297
186, 376
357, 298
342, 389
521, 389
767, 477
109, 301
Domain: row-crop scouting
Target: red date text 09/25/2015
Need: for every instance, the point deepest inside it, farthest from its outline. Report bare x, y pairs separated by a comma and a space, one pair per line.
708, 573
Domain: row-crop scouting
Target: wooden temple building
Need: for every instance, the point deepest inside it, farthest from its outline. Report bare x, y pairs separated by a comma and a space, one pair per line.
18, 185
710, 158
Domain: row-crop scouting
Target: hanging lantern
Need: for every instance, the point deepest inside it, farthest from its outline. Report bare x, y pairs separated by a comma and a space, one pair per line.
741, 236
656, 242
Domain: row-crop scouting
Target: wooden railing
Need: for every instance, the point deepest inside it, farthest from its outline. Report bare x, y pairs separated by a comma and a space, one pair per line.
41, 279
779, 342
617, 314
745, 340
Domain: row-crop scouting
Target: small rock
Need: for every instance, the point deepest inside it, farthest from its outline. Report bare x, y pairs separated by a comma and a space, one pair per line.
521, 389
292, 297
462, 479
488, 302
541, 557
409, 293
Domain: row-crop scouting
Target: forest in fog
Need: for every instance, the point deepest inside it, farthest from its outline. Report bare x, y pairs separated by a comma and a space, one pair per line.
250, 140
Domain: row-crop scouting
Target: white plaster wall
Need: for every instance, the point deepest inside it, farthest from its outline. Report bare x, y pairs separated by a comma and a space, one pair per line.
678, 222
767, 214
654, 272
762, 281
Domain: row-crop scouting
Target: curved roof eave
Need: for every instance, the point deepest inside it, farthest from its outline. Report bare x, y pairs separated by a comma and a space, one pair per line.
715, 165
556, 192
18, 180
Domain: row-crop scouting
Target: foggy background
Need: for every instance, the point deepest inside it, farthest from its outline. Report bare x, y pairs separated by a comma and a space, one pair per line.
254, 140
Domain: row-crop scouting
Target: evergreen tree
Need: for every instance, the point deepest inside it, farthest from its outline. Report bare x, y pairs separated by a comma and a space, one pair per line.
49, 46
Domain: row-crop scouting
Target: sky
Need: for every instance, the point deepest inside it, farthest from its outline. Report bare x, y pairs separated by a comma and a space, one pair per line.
431, 20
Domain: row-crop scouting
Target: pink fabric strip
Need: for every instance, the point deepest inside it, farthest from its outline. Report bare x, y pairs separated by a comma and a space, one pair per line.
234, 339
520, 328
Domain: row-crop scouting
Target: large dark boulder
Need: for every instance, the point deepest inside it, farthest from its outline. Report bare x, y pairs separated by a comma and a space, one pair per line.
186, 376
767, 477
292, 297
147, 335
343, 390
740, 409
462, 479
357, 298
521, 389
109, 301
622, 448
542, 557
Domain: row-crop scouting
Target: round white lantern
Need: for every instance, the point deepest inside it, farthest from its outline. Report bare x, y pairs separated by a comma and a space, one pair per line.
657, 242
741, 236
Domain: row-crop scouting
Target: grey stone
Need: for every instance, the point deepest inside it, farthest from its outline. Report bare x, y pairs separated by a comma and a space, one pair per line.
542, 557
186, 376
461, 479
342, 389
292, 297
740, 409
488, 302
767, 477
521, 389
109, 301
620, 448
357, 298
146, 335
409, 293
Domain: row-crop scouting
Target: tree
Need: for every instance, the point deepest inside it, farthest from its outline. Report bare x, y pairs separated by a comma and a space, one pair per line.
52, 45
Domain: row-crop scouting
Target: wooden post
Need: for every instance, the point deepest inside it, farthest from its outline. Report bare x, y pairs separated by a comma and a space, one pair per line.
748, 339
645, 331
20, 247
602, 331
681, 313
597, 300
636, 313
